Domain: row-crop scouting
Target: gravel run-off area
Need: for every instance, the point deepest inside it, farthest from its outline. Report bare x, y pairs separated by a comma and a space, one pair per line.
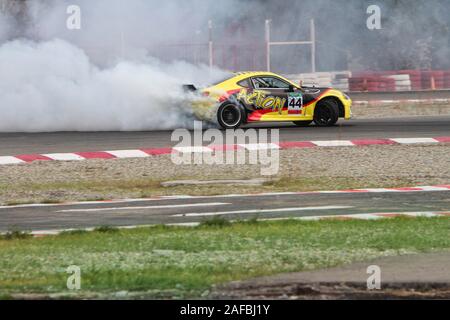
299, 170
377, 110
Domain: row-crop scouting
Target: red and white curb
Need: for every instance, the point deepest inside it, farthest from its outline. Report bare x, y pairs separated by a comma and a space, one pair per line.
361, 216
377, 216
144, 153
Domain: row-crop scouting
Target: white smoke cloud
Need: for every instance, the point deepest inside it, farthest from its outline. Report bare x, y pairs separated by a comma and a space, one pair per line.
52, 86
100, 78
103, 77
117, 29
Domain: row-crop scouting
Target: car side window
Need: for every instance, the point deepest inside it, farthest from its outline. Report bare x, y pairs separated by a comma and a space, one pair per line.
259, 83
245, 83
269, 83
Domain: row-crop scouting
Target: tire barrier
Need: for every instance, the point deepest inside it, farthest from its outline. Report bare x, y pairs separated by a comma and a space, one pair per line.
377, 81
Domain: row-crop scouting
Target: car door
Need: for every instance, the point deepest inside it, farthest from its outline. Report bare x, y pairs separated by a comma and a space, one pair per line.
291, 97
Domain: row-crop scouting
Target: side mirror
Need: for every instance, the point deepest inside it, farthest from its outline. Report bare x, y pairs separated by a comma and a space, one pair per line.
291, 88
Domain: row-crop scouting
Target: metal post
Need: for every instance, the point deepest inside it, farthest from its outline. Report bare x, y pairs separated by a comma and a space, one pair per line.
313, 46
211, 44
268, 45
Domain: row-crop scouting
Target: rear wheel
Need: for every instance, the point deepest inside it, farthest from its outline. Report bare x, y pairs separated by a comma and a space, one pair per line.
303, 123
326, 113
230, 116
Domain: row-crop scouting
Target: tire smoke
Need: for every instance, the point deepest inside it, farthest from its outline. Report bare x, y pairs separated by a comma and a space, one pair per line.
52, 86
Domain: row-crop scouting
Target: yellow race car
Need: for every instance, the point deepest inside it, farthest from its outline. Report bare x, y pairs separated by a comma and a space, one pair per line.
248, 97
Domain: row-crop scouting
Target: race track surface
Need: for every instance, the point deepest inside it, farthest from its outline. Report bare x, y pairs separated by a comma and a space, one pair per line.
166, 211
26, 143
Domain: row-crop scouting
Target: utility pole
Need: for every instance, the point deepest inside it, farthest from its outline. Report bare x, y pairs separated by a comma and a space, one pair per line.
210, 44
268, 66
313, 46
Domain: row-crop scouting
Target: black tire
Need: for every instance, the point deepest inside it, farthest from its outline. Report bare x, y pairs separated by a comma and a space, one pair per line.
302, 123
230, 115
326, 113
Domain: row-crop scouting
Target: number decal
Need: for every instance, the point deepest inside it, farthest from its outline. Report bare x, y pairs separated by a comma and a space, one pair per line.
295, 104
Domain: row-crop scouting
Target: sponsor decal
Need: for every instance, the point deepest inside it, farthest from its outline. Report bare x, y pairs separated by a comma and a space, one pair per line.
262, 100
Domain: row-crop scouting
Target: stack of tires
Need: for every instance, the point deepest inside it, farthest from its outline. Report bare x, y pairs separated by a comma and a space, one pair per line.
371, 82
386, 84
415, 76
402, 82
341, 80
397, 80
362, 81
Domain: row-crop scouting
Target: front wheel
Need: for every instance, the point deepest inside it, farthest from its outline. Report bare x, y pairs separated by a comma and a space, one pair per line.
230, 116
326, 113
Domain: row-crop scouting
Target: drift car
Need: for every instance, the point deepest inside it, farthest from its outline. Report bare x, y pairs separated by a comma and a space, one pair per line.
248, 97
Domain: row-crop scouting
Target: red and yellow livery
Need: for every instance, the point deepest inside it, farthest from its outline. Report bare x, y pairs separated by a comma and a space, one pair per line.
264, 96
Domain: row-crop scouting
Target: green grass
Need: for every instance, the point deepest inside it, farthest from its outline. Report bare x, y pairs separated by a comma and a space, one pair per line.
185, 262
15, 234
106, 229
215, 222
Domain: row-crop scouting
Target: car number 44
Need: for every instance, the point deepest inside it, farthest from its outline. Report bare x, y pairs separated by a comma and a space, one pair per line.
295, 103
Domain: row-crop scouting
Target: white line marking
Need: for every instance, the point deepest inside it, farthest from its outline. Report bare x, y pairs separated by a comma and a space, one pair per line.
197, 149
431, 188
64, 156
414, 140
359, 216
200, 214
421, 214
259, 146
363, 216
388, 101
182, 197
381, 190
334, 143
184, 224
208, 204
10, 160
128, 154
29, 205
65, 204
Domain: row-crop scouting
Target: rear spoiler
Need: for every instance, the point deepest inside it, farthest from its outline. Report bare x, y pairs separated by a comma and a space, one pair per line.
189, 88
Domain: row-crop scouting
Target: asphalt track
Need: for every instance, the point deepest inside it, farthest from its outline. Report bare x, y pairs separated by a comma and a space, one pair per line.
44, 217
404, 127
167, 211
